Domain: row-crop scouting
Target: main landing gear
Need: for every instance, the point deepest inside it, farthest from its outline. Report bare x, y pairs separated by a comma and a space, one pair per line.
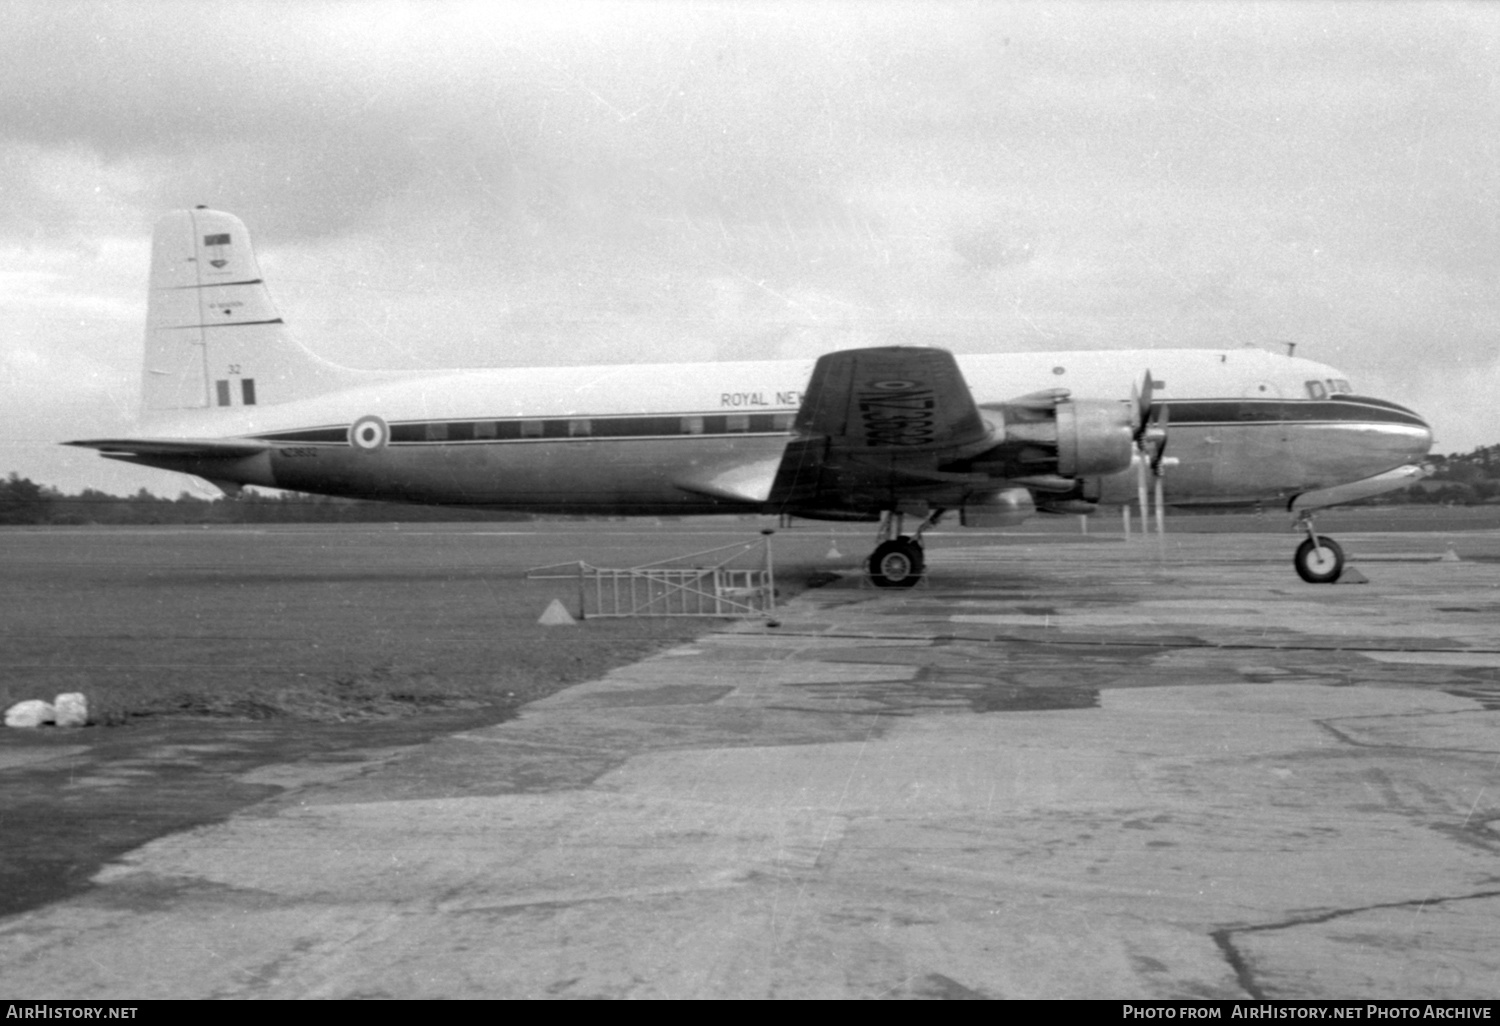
898, 560
1319, 560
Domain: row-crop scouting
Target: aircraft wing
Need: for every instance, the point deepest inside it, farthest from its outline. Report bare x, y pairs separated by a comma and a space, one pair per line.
876, 427
202, 448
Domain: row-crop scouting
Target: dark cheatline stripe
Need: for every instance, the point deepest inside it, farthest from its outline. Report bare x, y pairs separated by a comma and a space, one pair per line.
219, 284
1212, 412
580, 428
1342, 410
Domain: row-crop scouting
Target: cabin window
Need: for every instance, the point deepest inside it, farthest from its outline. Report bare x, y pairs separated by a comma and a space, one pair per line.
484, 429
247, 391
223, 392
692, 425
782, 421
531, 429
736, 423
579, 428
437, 432
1316, 390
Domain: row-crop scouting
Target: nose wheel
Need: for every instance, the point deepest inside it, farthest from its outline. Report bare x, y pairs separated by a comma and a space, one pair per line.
1319, 559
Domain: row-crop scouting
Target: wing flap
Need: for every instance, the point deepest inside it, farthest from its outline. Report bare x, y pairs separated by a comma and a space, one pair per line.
733, 482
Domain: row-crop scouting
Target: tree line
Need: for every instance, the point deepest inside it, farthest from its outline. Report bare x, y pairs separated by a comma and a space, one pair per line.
23, 501
1462, 479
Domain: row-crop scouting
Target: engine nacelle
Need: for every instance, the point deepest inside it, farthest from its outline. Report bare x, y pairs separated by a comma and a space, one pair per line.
1095, 437
1071, 438
1006, 507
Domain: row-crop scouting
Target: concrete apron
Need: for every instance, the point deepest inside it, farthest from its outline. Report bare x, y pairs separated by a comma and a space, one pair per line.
1053, 771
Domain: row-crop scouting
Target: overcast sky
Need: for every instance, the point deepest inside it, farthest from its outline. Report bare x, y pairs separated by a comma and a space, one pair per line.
441, 184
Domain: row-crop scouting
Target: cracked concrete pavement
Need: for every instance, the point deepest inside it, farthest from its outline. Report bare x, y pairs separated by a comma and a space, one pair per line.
1091, 770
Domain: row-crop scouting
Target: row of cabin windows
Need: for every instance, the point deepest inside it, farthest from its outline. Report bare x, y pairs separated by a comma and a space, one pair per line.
586, 427
247, 392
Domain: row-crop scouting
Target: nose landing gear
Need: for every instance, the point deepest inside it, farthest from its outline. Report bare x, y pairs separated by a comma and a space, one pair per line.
898, 560
1319, 559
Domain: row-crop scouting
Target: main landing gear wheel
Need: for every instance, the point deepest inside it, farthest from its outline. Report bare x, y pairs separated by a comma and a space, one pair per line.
1319, 563
897, 564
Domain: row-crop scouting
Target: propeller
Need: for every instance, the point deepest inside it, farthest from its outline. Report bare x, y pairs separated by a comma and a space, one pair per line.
1150, 446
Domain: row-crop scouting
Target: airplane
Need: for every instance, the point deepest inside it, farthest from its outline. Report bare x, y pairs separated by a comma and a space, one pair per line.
882, 433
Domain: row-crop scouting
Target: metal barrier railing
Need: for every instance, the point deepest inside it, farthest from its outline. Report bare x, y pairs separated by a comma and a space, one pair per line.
667, 588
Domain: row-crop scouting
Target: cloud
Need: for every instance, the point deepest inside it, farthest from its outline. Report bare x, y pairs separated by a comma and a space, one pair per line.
448, 183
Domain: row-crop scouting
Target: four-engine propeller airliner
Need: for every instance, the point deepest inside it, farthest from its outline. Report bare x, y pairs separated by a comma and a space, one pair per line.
875, 434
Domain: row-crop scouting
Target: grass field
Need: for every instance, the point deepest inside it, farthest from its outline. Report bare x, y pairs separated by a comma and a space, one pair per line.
326, 623
341, 623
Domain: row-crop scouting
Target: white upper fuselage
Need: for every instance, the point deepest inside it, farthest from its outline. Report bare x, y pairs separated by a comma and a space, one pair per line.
742, 387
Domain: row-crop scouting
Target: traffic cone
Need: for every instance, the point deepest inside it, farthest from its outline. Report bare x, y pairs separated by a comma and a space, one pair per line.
556, 615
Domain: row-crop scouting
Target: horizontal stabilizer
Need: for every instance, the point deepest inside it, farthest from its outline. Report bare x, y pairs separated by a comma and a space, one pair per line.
207, 448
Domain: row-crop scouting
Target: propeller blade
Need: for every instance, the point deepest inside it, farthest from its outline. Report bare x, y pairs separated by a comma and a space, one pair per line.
1158, 435
1142, 471
1142, 398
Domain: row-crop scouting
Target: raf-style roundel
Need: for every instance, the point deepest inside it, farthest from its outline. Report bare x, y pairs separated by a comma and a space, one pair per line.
369, 434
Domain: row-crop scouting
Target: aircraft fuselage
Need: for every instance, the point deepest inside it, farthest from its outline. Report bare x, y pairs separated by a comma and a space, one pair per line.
1246, 426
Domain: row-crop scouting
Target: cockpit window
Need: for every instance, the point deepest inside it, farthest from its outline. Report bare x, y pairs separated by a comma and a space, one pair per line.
1328, 386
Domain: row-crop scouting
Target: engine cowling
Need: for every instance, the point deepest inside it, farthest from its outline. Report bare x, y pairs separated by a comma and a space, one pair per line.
1071, 438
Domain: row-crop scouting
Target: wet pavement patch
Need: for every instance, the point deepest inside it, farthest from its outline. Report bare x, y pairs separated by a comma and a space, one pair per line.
71, 800
1000, 697
667, 694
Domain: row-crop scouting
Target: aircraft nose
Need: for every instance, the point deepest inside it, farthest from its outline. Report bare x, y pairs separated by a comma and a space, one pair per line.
1421, 434
1398, 434
1410, 434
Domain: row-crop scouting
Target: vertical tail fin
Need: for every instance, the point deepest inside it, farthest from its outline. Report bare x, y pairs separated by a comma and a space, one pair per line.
213, 335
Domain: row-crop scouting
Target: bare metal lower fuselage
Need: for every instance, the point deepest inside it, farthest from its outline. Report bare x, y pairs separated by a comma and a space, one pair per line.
1269, 459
